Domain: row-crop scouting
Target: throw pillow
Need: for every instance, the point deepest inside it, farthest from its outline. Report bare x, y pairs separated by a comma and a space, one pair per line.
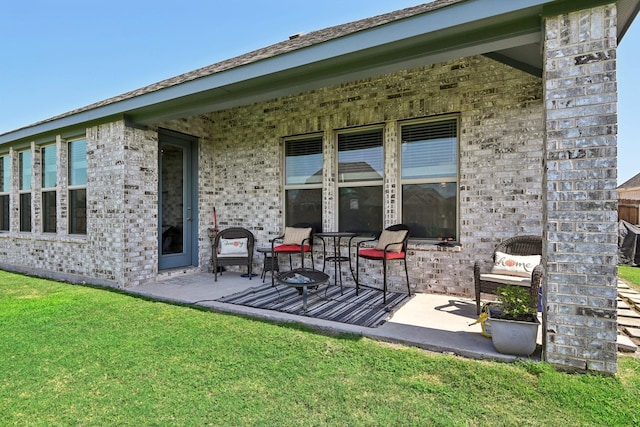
514, 265
295, 236
391, 237
234, 247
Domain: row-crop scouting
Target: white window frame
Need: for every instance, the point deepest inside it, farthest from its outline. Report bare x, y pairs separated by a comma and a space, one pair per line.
443, 180
75, 187
48, 189
24, 189
342, 183
289, 186
5, 189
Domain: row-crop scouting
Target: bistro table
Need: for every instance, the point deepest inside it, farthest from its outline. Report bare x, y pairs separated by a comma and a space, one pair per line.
303, 278
337, 258
270, 262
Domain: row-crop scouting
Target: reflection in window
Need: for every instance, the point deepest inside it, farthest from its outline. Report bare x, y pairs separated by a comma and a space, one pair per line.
360, 176
5, 187
78, 211
25, 211
49, 183
25, 190
173, 183
77, 187
303, 181
430, 178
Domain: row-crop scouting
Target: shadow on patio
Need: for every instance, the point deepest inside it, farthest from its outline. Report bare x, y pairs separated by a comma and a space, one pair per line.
438, 323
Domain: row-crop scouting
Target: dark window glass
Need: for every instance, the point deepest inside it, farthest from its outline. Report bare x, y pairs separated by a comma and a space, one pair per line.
303, 181
78, 211
360, 177
360, 209
49, 211
304, 206
4, 212
430, 210
430, 178
25, 212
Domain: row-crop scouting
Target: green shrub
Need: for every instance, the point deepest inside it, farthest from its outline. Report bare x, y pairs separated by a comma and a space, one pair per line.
517, 303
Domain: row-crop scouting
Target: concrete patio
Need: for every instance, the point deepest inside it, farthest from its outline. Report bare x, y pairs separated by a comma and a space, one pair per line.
438, 323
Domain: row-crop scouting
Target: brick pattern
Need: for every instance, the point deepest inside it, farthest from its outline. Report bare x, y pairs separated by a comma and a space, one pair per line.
501, 157
200, 127
504, 189
580, 206
240, 173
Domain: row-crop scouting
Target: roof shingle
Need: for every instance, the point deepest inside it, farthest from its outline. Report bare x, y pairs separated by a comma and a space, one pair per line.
631, 183
293, 44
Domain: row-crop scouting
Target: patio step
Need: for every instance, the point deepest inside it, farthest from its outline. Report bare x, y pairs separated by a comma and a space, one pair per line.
628, 318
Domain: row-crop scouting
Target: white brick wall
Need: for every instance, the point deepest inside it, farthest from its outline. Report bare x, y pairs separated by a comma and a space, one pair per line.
240, 166
501, 156
581, 200
509, 180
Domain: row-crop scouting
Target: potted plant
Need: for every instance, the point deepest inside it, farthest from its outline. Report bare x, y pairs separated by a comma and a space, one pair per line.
514, 325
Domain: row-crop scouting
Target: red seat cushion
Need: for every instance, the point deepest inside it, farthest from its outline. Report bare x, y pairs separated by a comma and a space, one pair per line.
378, 254
291, 248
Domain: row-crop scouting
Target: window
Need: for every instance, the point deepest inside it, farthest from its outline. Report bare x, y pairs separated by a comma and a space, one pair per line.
49, 183
25, 190
5, 188
430, 178
303, 181
360, 179
78, 187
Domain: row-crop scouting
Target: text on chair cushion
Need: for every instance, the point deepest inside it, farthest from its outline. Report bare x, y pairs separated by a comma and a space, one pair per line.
236, 247
515, 265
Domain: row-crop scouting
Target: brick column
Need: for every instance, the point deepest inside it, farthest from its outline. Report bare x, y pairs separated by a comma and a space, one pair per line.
580, 192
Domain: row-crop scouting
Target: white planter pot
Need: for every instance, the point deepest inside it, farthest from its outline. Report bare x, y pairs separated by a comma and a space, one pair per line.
514, 337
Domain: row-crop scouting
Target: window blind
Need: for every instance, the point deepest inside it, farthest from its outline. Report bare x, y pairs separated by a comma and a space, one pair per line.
5, 175
49, 174
25, 170
360, 156
430, 149
78, 162
303, 163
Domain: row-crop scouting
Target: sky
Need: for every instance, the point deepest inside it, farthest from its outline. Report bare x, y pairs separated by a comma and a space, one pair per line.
56, 56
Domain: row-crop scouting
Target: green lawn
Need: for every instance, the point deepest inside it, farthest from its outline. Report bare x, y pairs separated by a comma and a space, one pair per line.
630, 275
73, 355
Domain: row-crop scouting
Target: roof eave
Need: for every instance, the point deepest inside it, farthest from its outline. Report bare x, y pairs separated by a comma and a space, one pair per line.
461, 29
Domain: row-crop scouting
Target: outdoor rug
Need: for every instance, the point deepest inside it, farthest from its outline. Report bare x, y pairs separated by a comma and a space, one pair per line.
365, 309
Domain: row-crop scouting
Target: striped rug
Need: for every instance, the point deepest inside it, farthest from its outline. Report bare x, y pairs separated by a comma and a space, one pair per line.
365, 309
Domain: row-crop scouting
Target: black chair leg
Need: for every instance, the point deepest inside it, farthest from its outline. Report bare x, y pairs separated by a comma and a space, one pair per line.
357, 273
273, 279
384, 281
406, 272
